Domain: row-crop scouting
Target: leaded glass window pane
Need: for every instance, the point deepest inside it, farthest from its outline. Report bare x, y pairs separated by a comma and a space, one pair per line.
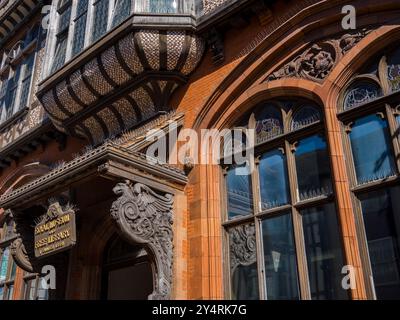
80, 27
324, 253
394, 70
240, 194
26, 81
100, 19
164, 6
382, 227
243, 262
280, 258
4, 264
274, 186
61, 37
268, 123
361, 93
372, 154
313, 168
122, 10
304, 117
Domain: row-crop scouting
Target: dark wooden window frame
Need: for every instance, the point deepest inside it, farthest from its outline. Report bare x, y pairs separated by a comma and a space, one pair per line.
387, 107
287, 143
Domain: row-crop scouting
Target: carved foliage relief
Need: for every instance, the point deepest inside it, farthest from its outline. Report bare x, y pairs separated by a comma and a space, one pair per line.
145, 217
242, 245
318, 60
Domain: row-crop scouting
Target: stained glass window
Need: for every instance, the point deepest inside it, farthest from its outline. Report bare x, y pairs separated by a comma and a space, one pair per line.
304, 117
394, 70
361, 93
268, 123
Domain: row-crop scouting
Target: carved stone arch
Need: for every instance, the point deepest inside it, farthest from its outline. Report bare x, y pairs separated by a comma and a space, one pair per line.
145, 217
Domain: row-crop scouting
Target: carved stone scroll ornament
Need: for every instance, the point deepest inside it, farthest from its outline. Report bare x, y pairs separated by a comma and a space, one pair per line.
242, 246
20, 255
145, 217
318, 60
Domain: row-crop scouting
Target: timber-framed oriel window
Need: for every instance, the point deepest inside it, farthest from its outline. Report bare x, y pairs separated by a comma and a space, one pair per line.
280, 222
369, 110
79, 23
16, 69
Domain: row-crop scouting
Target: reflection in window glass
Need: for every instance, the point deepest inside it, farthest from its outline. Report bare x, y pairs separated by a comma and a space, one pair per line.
30, 289
4, 264
100, 18
1, 293
243, 262
371, 149
163, 6
382, 227
10, 292
313, 168
80, 27
280, 258
122, 10
273, 180
324, 253
240, 196
42, 292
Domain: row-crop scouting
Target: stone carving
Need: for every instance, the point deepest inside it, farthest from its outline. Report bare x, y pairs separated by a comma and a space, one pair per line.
20, 255
242, 245
317, 61
145, 217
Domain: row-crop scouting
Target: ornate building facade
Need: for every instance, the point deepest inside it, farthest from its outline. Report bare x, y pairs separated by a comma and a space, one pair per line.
83, 82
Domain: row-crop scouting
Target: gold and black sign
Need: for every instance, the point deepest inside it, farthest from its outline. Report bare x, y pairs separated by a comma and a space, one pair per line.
55, 231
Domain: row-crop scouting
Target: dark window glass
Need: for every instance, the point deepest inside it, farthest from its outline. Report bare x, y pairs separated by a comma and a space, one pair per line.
240, 196
100, 18
243, 262
382, 226
371, 149
122, 10
324, 253
274, 186
361, 93
1, 293
304, 117
280, 258
313, 169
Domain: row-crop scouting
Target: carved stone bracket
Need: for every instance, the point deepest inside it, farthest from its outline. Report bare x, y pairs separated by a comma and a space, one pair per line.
318, 60
145, 217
